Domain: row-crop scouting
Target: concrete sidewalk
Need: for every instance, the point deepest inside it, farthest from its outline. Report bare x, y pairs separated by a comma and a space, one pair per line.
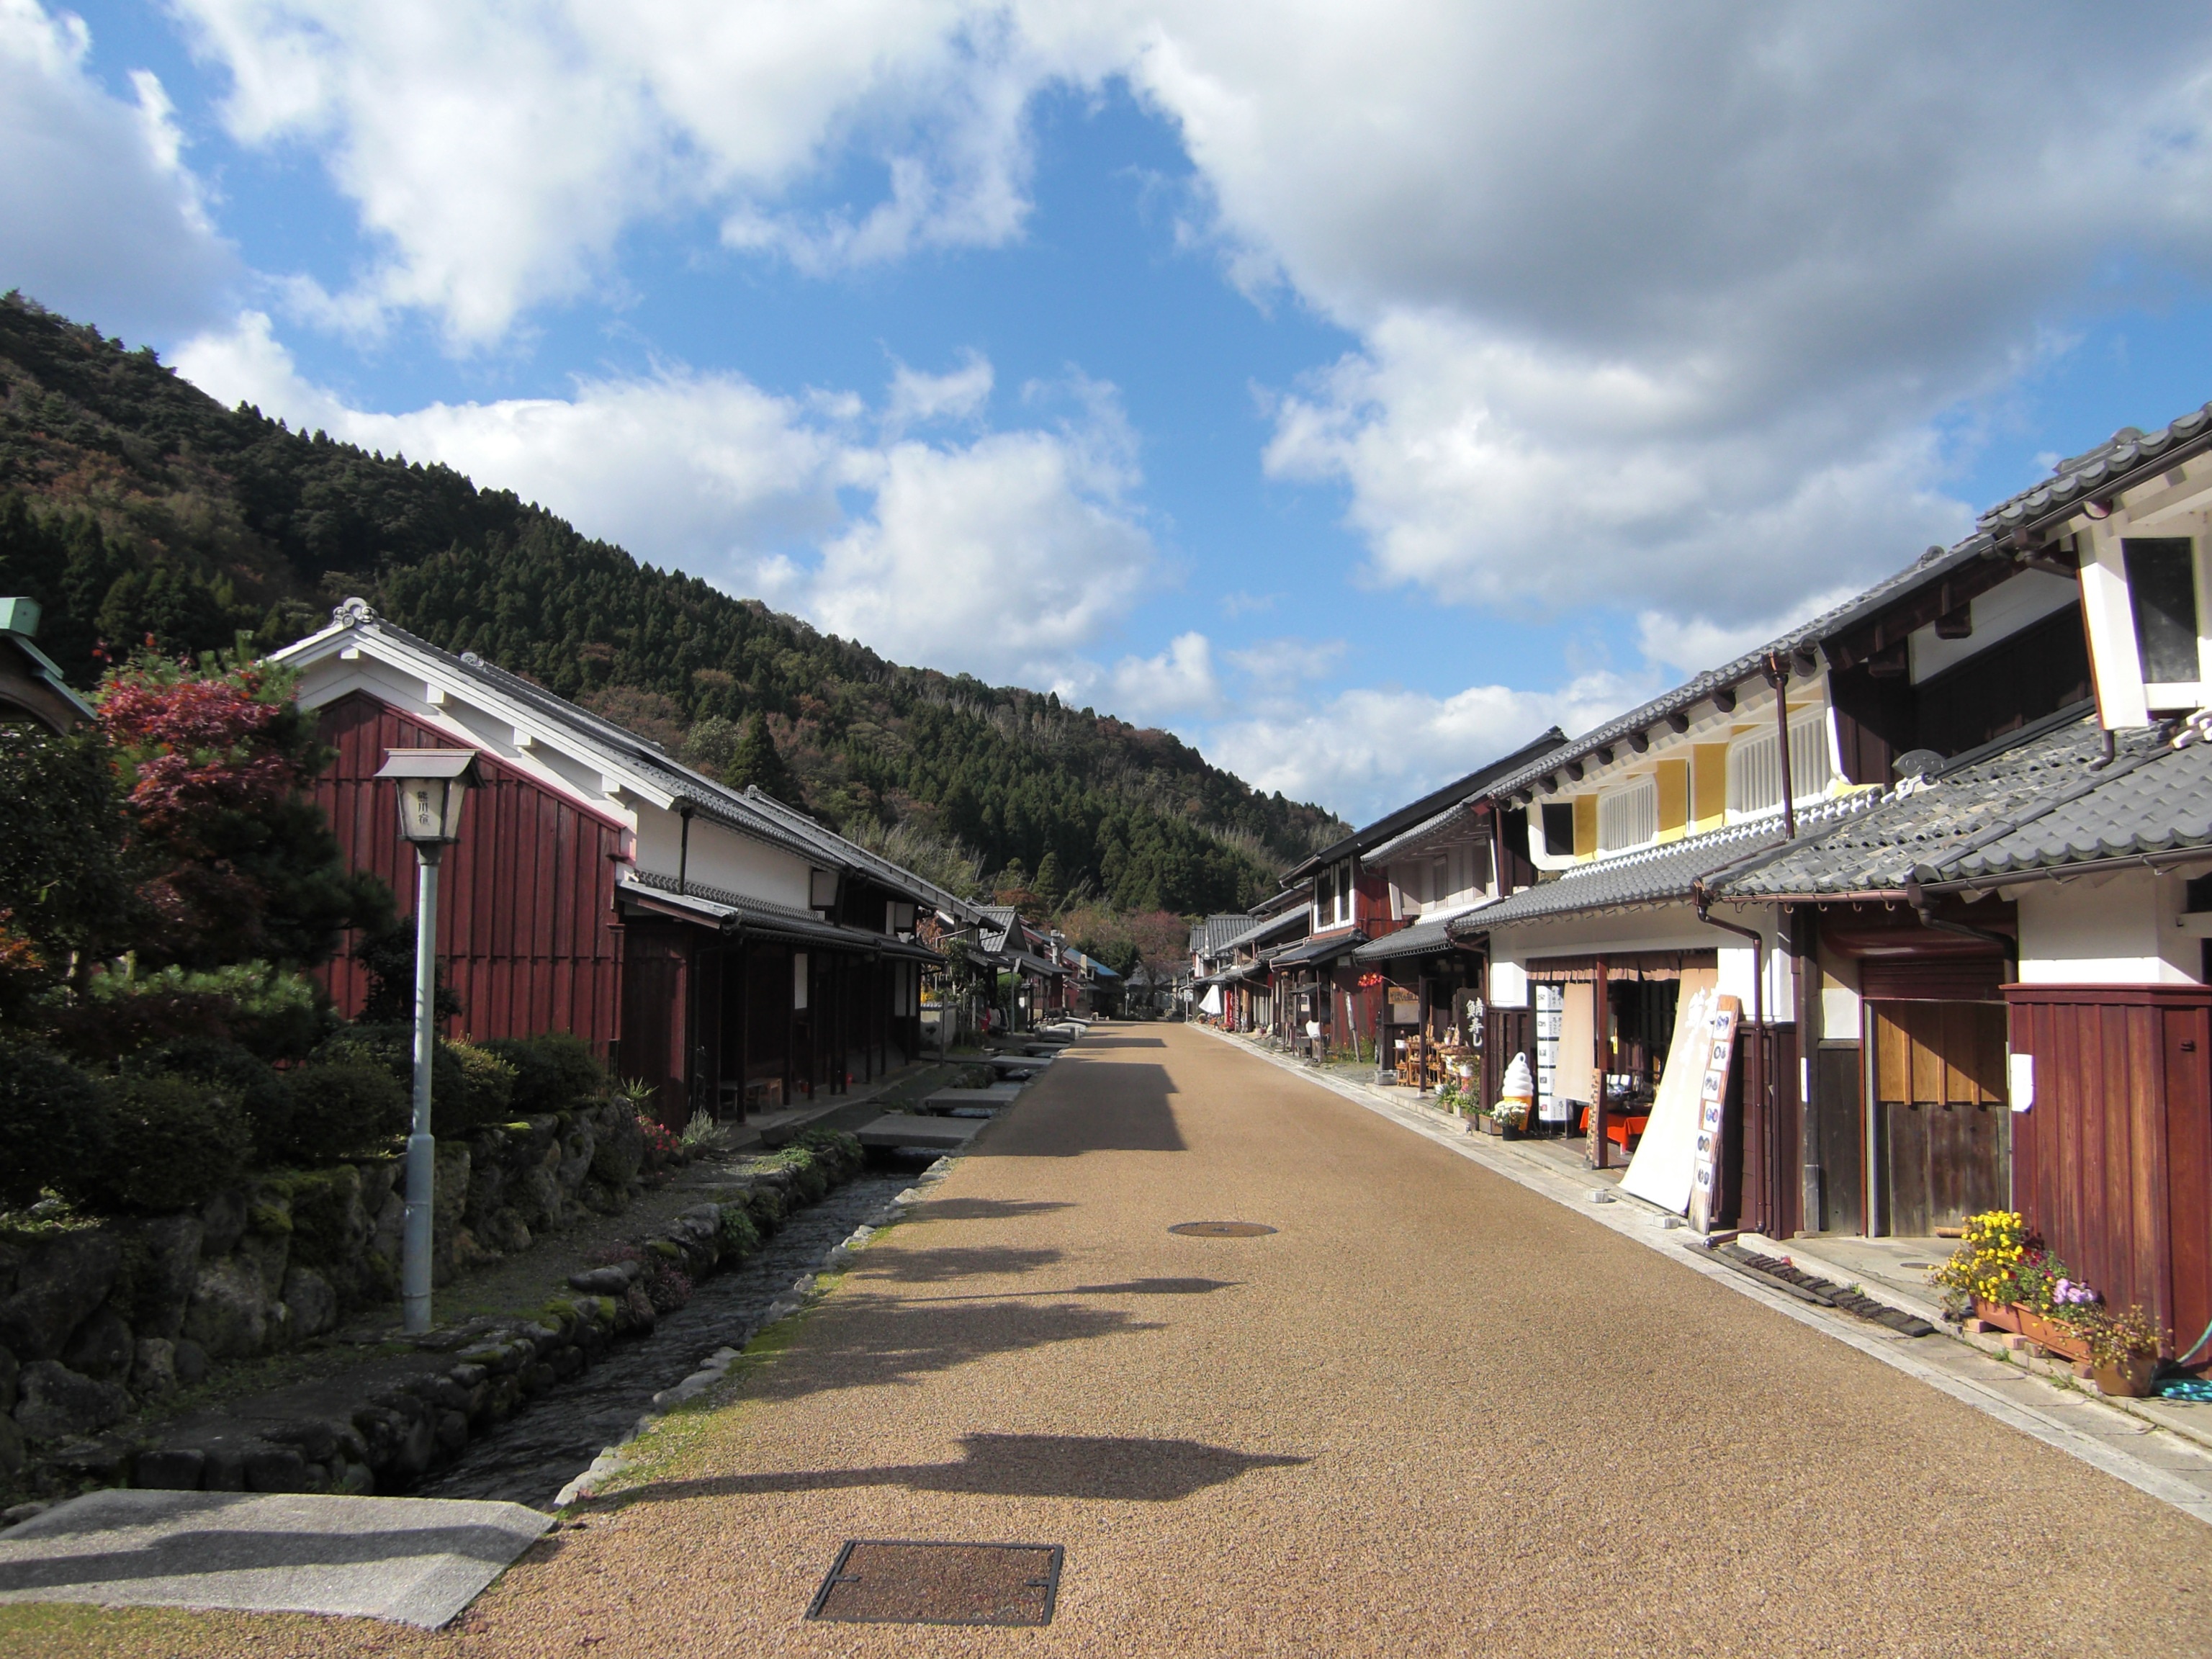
417, 1561
2041, 1399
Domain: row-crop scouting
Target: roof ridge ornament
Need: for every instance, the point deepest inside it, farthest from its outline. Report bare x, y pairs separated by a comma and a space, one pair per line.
351, 612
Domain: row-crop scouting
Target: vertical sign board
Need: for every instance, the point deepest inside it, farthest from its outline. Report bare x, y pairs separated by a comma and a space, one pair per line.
1551, 1016
1712, 1109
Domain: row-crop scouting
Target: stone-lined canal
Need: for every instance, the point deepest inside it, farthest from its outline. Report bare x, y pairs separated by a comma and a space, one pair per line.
528, 1459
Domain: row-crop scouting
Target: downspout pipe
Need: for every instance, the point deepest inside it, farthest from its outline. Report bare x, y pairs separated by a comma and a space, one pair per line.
1924, 907
683, 853
1777, 676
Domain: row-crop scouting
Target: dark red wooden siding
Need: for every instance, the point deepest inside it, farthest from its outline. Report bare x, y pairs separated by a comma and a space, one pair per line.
2113, 1164
526, 900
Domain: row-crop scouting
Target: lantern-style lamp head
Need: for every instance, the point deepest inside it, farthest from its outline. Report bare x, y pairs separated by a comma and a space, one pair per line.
433, 784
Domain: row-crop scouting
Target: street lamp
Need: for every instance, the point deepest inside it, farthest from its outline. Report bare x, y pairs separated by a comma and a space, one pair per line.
432, 785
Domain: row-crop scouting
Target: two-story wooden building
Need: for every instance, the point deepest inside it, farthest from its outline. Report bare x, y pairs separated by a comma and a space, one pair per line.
714, 943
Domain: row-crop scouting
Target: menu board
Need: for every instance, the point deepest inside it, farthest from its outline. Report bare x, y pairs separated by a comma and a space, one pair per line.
1712, 1109
1550, 1016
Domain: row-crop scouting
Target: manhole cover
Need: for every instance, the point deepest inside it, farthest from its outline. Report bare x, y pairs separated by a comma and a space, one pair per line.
1220, 1229
876, 1583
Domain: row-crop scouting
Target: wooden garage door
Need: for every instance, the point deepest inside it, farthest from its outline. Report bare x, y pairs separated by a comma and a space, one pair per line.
1939, 1072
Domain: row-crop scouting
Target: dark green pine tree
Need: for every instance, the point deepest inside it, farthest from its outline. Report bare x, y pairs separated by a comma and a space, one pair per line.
758, 763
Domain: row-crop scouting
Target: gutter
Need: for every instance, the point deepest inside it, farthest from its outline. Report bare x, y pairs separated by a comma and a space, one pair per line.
1925, 908
2154, 862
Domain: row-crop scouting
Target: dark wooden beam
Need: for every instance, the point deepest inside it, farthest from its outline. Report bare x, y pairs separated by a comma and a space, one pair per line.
1724, 700
1678, 722
1640, 741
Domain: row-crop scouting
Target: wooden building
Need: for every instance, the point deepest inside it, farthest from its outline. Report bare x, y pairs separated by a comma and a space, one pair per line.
716, 944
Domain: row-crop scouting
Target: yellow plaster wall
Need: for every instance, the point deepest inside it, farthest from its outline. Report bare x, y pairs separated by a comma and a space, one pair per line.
1585, 826
1709, 785
1674, 780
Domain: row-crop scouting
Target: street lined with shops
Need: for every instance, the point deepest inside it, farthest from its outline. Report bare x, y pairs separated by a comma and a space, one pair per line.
1434, 1411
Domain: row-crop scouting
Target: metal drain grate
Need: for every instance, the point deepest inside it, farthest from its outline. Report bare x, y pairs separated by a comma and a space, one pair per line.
1220, 1229
878, 1582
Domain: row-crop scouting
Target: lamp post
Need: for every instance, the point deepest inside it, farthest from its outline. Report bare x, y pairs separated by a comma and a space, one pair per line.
432, 785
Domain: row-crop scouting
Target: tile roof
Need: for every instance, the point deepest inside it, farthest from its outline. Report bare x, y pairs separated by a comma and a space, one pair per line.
1993, 807
1210, 937
1661, 874
1388, 827
2110, 466
762, 920
749, 811
1272, 927
1420, 938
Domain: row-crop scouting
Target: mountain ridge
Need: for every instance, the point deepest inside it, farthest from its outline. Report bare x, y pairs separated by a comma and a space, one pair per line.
134, 506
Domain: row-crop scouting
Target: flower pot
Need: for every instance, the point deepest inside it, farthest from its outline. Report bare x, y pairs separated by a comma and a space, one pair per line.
2129, 1380
2048, 1332
2003, 1315
1490, 1125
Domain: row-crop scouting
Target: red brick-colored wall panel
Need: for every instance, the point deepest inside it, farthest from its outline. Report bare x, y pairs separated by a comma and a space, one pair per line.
2113, 1163
525, 910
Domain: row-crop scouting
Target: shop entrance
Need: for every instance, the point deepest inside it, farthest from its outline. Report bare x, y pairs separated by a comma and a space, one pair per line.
1942, 1123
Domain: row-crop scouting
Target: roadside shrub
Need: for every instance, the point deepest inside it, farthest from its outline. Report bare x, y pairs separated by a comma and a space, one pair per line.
392, 1048
555, 1071
250, 1083
173, 1144
740, 1238
341, 1109
54, 1123
489, 1094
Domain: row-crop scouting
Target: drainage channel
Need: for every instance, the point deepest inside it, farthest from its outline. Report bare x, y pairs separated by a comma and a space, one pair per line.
528, 1459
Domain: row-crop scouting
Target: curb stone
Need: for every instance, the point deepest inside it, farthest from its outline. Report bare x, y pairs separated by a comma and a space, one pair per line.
840, 1256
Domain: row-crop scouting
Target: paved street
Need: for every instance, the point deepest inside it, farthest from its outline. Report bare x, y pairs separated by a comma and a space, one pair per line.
1432, 1413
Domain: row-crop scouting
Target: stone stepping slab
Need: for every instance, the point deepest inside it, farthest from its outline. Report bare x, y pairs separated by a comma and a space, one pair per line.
412, 1560
910, 1129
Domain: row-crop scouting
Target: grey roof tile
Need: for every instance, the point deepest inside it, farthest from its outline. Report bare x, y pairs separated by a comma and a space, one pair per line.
1924, 832
2101, 469
1210, 936
1659, 875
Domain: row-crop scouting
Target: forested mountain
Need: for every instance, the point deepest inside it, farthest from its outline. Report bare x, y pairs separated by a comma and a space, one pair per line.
132, 505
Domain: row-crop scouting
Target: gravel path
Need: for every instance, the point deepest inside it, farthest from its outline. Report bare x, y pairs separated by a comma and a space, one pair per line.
1433, 1414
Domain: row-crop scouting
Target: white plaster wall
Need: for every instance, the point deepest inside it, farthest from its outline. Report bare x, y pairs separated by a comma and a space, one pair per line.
1670, 927
2119, 931
721, 858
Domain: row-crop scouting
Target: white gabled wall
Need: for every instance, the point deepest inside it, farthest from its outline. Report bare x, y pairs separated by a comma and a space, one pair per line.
720, 857
2124, 930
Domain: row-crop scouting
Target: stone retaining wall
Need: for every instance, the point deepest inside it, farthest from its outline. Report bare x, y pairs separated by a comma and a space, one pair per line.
96, 1322
388, 1439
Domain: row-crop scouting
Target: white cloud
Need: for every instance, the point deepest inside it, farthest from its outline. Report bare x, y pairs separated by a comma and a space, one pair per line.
1180, 681
1006, 556
1279, 667
1657, 304
1367, 749
98, 216
917, 398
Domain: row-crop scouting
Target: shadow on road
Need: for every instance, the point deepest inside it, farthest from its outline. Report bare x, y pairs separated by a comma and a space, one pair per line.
1122, 1042
989, 1209
1112, 1107
1100, 1468
872, 1340
950, 1262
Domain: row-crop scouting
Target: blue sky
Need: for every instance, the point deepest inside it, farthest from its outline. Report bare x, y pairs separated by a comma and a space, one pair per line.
1353, 397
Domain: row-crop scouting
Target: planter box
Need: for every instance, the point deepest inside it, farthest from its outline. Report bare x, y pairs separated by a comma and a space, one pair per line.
2001, 1315
2130, 1381
1490, 1125
2047, 1333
